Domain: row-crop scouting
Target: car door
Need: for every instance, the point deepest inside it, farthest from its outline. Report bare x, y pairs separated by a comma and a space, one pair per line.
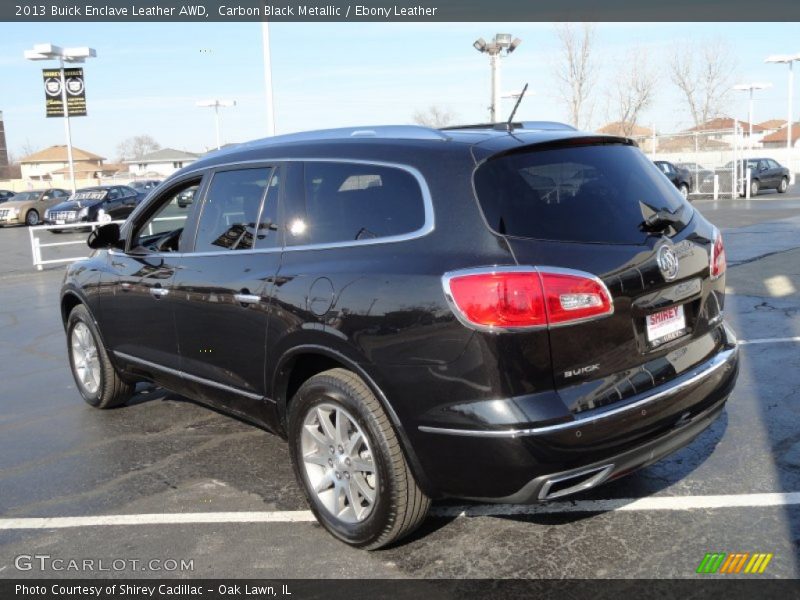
775, 174
49, 199
224, 289
134, 298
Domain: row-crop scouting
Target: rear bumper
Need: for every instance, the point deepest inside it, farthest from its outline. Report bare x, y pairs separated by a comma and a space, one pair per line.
530, 464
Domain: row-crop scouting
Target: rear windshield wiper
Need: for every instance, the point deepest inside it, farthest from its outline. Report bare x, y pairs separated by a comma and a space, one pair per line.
660, 220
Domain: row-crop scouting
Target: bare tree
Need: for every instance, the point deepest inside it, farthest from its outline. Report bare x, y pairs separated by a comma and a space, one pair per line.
703, 76
434, 116
575, 71
136, 147
633, 91
26, 149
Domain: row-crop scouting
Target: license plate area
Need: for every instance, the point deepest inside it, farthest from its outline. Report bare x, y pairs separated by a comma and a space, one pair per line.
59, 221
665, 325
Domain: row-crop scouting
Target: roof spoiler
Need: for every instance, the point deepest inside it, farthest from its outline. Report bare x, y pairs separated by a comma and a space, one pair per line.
526, 125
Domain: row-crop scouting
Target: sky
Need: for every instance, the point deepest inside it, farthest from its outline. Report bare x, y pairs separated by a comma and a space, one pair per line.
147, 77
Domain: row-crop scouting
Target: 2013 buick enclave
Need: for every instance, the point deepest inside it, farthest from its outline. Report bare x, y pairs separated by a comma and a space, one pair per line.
502, 313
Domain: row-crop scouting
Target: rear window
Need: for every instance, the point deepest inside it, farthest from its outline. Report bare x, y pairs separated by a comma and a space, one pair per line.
348, 202
594, 194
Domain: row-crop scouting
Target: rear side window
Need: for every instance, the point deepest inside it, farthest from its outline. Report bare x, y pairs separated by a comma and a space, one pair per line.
348, 202
231, 210
594, 194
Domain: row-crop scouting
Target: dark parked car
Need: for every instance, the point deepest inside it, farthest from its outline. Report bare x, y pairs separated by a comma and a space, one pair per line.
144, 186
99, 203
699, 174
5, 195
680, 177
507, 316
765, 173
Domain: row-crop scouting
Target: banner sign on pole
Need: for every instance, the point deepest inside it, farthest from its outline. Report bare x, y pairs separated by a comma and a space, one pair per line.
76, 92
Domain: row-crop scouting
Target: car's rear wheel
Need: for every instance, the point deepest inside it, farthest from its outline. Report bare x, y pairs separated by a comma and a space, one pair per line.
754, 187
96, 378
348, 459
684, 190
783, 185
32, 218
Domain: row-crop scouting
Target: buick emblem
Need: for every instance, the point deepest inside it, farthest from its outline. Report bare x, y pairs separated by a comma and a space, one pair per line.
667, 262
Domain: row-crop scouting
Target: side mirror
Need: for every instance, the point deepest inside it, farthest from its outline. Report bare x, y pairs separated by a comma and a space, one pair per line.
105, 236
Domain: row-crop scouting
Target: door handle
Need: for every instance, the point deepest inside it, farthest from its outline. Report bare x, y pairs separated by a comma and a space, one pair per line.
158, 292
247, 298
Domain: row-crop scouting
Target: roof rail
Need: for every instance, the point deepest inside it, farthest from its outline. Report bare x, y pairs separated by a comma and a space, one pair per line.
528, 125
404, 132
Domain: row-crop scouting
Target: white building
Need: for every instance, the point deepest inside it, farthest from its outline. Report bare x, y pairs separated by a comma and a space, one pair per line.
162, 162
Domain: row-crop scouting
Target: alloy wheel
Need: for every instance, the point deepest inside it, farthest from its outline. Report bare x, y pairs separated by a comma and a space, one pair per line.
338, 463
85, 360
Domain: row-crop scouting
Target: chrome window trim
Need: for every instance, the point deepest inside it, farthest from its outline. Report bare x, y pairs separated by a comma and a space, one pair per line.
428, 226
718, 361
185, 375
450, 275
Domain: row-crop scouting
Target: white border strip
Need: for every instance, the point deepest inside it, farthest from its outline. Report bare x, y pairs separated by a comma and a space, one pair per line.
653, 503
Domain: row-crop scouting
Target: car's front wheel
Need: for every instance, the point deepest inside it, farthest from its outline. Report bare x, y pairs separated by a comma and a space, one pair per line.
684, 190
783, 185
348, 459
32, 218
754, 187
96, 378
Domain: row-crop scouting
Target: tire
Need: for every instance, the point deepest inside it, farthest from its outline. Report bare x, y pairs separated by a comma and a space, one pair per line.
398, 505
754, 187
32, 218
684, 190
103, 388
783, 185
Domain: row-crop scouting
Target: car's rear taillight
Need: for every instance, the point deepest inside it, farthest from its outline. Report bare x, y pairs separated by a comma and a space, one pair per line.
718, 263
525, 297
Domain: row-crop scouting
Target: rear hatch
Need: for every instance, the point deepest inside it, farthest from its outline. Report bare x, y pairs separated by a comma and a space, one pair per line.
599, 206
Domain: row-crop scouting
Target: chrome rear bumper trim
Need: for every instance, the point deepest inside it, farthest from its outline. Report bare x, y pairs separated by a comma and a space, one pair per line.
700, 373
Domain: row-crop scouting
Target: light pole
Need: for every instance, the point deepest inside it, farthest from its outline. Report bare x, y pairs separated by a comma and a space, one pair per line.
502, 45
268, 78
750, 87
787, 59
63, 55
216, 105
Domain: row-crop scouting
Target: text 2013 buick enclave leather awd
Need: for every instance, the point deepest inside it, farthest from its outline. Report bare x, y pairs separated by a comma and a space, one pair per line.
503, 314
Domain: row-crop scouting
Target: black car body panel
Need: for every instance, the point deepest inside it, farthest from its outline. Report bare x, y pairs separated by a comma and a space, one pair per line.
240, 330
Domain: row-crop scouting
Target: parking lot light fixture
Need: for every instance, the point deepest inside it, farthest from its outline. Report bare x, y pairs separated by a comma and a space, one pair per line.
501, 45
216, 105
790, 60
751, 87
63, 55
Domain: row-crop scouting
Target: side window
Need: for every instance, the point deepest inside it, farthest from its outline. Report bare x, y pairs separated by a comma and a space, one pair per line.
169, 215
231, 210
348, 202
113, 193
772, 164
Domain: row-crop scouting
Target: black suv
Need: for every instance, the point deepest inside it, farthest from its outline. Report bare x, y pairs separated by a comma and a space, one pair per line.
483, 313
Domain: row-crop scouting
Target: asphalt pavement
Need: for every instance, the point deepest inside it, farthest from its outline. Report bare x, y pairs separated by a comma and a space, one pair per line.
162, 460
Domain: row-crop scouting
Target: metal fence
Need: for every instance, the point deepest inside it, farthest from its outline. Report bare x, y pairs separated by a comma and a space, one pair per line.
37, 245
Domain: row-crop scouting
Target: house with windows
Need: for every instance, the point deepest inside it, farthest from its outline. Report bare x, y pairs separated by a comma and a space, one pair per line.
52, 163
162, 162
777, 139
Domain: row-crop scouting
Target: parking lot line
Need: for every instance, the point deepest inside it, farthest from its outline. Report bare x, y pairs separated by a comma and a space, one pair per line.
786, 340
654, 503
